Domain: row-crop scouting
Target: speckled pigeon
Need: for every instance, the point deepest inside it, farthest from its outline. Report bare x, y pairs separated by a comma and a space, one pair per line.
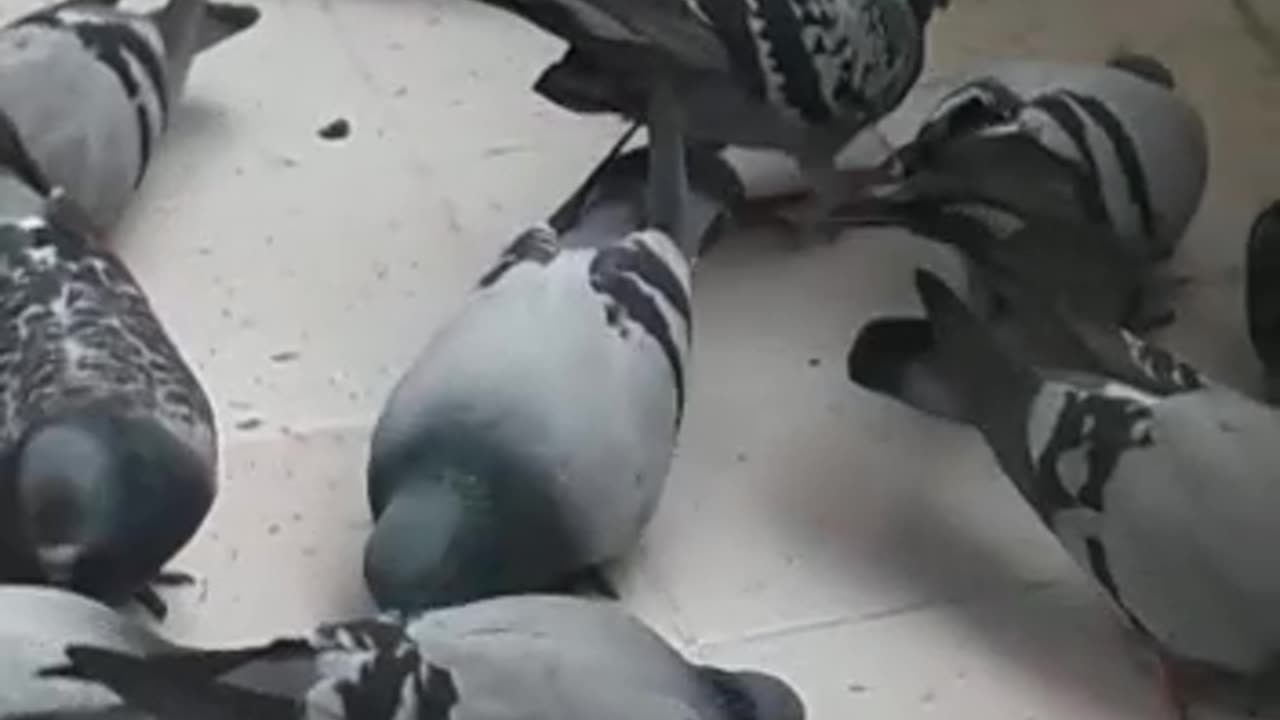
108, 444
801, 76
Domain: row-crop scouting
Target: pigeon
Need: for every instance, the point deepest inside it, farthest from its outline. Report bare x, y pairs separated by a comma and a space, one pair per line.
529, 657
108, 445
1164, 499
1019, 210
36, 626
1262, 295
494, 467
799, 76
1134, 154
87, 90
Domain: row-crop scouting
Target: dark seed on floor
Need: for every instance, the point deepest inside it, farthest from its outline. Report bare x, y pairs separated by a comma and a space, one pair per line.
339, 129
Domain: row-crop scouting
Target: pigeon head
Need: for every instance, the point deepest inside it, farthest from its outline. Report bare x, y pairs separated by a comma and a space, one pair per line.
892, 356
753, 696
452, 533
104, 501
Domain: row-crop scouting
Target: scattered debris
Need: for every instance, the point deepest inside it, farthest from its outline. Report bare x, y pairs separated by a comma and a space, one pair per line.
285, 356
339, 129
251, 423
815, 362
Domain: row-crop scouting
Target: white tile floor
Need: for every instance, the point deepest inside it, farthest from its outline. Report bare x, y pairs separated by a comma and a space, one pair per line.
871, 556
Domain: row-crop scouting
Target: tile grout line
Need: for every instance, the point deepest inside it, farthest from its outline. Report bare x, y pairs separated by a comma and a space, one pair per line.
806, 627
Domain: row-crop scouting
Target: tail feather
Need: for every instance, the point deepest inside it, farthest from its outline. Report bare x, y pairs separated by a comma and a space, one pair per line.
571, 210
224, 20
148, 685
612, 200
189, 27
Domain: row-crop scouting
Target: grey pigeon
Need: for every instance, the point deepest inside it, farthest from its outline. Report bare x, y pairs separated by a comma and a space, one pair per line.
107, 441
1262, 294
1133, 153
530, 441
988, 176
513, 658
800, 76
86, 91
36, 626
1167, 500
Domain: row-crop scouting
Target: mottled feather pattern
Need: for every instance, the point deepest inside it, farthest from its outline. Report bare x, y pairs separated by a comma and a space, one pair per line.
1076, 440
1167, 369
76, 329
130, 46
373, 669
824, 60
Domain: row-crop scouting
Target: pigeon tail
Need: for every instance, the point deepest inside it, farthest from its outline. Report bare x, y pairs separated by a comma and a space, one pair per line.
152, 686
612, 201
1262, 286
896, 357
189, 27
752, 695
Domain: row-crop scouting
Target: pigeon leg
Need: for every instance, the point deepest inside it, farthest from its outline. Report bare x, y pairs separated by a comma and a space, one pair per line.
816, 217
668, 176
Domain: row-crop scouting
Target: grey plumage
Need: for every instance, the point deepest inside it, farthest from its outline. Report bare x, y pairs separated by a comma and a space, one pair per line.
107, 441
801, 76
1165, 499
531, 657
87, 91
1262, 294
494, 467
1021, 265
1046, 189
36, 625
1133, 154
